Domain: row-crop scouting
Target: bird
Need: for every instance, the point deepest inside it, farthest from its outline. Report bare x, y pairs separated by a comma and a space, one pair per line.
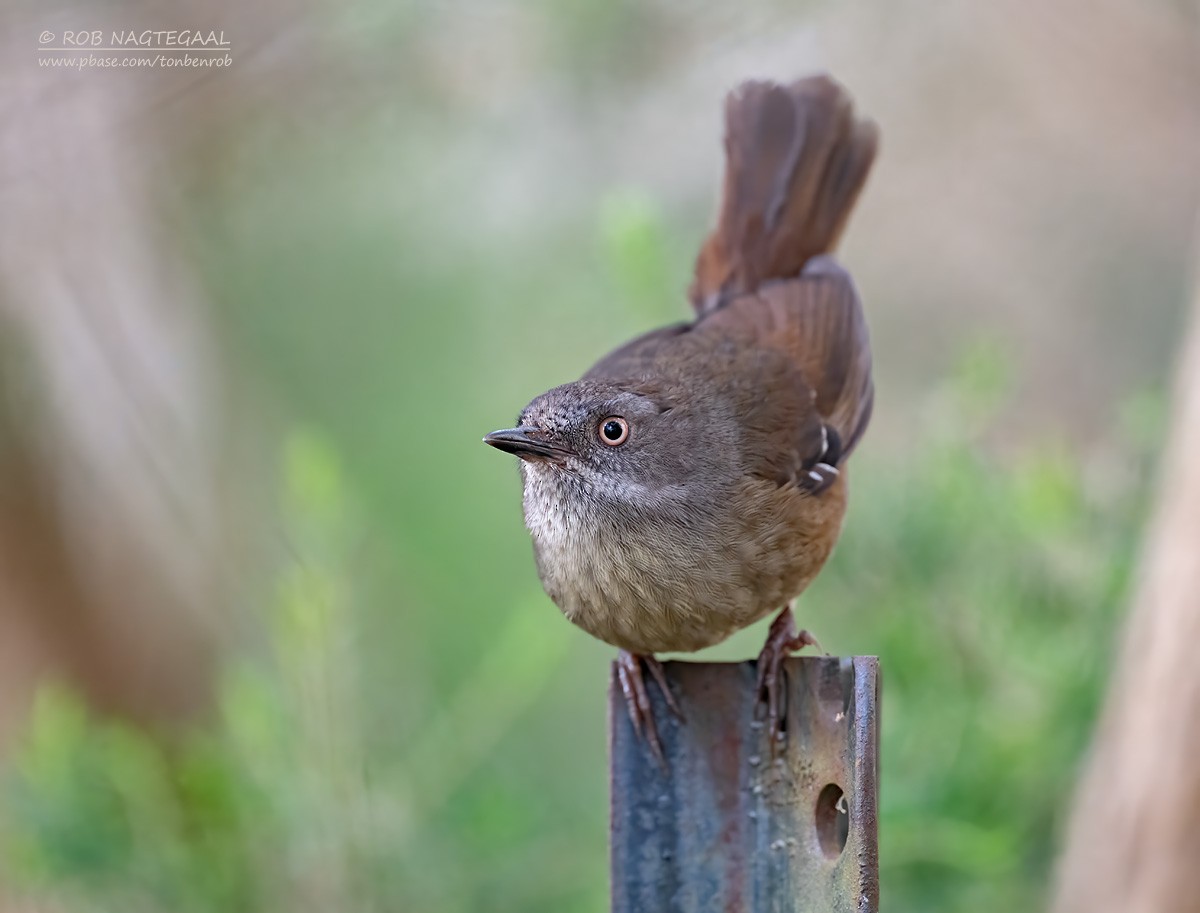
694, 480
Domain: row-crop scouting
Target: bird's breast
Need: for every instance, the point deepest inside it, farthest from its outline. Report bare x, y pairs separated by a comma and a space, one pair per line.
675, 580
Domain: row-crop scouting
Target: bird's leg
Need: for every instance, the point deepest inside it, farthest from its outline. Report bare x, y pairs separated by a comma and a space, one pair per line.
637, 698
782, 640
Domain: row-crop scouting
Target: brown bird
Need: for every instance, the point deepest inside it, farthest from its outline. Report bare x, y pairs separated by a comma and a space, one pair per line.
694, 480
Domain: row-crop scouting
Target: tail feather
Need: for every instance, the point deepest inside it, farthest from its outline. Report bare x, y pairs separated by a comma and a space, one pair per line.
796, 160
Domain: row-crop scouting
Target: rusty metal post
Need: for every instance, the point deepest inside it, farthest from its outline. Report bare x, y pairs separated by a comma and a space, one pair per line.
731, 828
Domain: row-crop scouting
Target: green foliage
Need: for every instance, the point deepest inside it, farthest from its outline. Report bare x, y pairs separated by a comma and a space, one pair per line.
635, 246
108, 818
991, 593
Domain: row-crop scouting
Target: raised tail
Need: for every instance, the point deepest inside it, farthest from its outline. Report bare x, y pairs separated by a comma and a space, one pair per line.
796, 159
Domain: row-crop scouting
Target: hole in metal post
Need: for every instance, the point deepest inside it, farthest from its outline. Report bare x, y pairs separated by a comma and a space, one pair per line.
833, 821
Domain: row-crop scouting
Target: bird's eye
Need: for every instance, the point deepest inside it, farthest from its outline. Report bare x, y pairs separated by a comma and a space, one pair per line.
614, 431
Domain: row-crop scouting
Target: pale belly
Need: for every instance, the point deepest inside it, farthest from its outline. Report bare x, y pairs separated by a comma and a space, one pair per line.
662, 587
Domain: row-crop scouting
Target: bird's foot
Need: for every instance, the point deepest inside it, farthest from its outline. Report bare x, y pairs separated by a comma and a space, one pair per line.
782, 640
637, 698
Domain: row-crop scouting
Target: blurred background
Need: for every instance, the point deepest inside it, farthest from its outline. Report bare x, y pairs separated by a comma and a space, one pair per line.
271, 637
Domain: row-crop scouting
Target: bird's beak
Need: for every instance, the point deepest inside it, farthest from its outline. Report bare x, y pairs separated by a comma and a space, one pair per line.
527, 443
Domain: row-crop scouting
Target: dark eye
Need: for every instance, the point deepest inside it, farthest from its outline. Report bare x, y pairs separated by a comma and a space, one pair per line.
614, 431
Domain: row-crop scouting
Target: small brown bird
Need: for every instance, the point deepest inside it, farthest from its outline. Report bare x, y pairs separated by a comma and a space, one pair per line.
694, 479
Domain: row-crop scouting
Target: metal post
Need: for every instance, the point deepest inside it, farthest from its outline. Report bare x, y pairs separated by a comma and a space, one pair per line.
732, 826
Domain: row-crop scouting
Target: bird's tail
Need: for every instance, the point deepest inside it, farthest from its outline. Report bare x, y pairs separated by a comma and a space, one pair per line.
796, 159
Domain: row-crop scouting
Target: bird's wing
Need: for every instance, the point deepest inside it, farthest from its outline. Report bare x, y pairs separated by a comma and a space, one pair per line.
815, 322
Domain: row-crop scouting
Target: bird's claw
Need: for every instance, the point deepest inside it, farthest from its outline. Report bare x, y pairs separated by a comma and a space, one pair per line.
637, 698
782, 640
